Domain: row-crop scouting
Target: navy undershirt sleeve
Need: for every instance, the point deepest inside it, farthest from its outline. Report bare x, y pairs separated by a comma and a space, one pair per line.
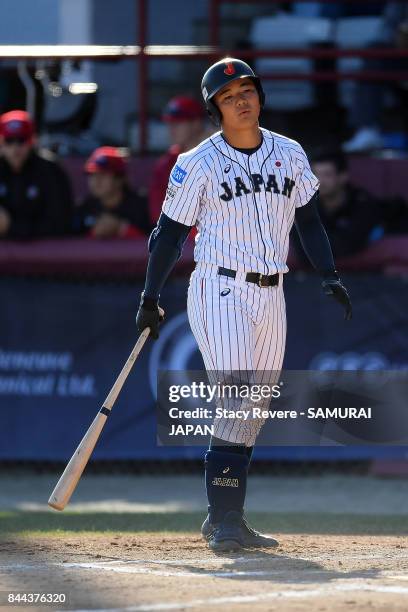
314, 238
165, 245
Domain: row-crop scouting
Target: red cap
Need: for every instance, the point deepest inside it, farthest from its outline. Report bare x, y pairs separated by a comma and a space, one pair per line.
183, 108
106, 159
17, 124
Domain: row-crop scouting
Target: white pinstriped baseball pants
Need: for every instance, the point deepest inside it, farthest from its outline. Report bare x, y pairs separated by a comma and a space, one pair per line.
238, 327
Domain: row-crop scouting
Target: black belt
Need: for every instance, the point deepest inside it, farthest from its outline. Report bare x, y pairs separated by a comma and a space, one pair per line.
261, 280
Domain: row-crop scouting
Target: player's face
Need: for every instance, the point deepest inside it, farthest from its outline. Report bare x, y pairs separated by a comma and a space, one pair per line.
103, 184
16, 151
331, 180
239, 104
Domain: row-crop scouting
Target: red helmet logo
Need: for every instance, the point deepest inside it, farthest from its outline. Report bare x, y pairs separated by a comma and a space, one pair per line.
229, 69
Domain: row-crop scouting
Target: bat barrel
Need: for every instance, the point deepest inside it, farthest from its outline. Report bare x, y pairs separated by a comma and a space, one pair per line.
72, 473
55, 504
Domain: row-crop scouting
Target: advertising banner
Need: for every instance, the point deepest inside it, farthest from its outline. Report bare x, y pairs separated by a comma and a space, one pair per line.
62, 345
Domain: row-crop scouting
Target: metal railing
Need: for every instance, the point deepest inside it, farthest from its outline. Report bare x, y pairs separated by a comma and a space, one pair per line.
143, 53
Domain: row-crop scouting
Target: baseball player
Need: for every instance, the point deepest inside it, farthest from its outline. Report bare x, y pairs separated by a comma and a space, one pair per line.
243, 188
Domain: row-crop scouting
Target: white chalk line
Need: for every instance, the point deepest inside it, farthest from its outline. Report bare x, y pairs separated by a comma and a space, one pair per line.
275, 558
175, 574
238, 599
153, 571
141, 567
97, 564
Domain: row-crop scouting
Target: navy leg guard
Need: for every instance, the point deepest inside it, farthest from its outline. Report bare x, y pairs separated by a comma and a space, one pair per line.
225, 481
217, 444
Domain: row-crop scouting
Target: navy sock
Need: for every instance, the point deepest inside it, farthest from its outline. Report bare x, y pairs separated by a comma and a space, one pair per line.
225, 481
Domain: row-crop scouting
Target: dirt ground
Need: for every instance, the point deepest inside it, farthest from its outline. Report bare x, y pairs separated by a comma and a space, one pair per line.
329, 559
178, 572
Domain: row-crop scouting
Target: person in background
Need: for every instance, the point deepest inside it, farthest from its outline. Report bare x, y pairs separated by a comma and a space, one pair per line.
350, 215
185, 118
111, 209
35, 193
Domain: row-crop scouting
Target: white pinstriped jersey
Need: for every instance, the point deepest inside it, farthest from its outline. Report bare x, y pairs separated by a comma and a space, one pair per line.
243, 205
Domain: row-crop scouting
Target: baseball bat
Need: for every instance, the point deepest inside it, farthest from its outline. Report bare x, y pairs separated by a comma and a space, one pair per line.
76, 465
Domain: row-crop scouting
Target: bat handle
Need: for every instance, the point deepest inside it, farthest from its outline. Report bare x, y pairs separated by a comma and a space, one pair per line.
114, 392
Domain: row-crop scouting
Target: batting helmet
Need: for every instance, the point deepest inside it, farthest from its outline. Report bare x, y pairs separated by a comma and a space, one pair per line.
223, 72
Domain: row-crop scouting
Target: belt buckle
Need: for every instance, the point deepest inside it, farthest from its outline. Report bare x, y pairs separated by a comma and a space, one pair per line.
260, 279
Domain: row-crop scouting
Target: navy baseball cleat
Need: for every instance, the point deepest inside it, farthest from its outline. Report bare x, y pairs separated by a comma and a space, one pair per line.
233, 533
226, 536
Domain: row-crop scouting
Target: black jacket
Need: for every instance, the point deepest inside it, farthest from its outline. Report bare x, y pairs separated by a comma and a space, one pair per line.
38, 199
132, 208
350, 227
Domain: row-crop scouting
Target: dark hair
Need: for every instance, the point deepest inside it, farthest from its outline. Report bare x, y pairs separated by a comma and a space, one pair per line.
333, 156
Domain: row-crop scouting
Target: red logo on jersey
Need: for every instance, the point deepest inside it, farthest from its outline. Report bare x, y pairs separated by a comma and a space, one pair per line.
229, 69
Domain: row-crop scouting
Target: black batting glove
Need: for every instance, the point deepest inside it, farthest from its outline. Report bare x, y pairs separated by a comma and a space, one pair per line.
149, 315
334, 288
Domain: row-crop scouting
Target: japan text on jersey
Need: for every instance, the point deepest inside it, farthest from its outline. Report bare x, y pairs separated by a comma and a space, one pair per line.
256, 183
243, 205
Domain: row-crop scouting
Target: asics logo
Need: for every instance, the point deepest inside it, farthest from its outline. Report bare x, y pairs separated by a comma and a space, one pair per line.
225, 470
225, 292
